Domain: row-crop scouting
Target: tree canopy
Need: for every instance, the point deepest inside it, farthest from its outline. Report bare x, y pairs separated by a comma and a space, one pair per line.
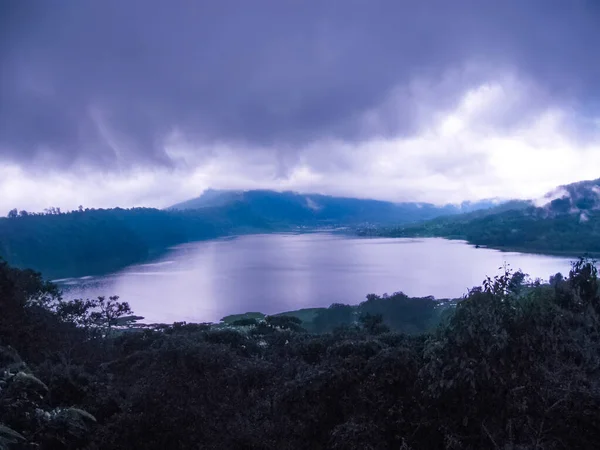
514, 364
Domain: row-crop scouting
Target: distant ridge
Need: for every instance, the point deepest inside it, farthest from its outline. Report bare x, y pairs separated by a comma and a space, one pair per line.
564, 221
210, 198
299, 208
95, 241
574, 198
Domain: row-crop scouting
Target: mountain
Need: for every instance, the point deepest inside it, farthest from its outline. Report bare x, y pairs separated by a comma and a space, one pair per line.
564, 221
210, 197
99, 241
580, 198
315, 209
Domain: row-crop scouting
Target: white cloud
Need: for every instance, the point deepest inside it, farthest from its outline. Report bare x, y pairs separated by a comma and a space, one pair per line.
470, 150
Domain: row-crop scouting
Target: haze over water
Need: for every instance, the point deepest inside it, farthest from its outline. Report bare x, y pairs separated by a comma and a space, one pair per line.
205, 281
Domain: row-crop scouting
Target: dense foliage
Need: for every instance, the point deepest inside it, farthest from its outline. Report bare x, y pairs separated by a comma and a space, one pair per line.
531, 229
95, 241
512, 365
569, 223
398, 312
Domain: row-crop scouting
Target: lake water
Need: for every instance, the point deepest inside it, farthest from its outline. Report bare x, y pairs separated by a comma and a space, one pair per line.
272, 273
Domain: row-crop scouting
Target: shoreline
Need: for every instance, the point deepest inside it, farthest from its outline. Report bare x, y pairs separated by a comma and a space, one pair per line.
576, 254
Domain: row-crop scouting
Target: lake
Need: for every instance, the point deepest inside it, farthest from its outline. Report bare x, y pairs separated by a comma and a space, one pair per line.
271, 273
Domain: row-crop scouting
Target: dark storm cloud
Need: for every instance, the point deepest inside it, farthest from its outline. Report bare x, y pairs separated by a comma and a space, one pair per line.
106, 81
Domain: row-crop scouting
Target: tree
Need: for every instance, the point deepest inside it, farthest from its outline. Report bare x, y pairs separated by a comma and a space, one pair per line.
401, 313
244, 322
52, 211
99, 313
556, 279
373, 323
337, 315
583, 280
110, 313
13, 213
76, 311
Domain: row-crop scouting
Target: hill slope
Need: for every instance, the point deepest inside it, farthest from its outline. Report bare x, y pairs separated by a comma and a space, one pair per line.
566, 222
104, 240
99, 241
315, 209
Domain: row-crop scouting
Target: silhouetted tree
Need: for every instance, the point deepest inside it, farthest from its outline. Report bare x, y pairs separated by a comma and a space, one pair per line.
514, 365
373, 323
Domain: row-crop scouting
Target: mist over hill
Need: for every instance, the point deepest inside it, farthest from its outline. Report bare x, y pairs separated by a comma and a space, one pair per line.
311, 209
92, 241
564, 221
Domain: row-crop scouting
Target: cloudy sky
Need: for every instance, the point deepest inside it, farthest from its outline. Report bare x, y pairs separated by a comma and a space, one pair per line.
148, 102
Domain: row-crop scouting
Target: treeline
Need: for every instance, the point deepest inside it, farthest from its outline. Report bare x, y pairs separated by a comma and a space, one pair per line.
513, 365
93, 241
532, 229
53, 210
398, 313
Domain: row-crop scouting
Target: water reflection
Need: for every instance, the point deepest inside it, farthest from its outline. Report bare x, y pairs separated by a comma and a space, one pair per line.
205, 281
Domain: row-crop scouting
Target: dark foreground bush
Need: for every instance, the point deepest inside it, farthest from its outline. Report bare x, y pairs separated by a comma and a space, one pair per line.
514, 366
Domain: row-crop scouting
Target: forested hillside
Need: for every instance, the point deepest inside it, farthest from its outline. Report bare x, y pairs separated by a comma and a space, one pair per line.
314, 209
569, 223
513, 365
95, 241
530, 230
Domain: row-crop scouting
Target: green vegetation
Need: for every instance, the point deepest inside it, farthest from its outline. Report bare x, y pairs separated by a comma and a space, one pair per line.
228, 320
306, 315
569, 225
514, 364
398, 313
97, 241
92, 241
528, 230
285, 208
